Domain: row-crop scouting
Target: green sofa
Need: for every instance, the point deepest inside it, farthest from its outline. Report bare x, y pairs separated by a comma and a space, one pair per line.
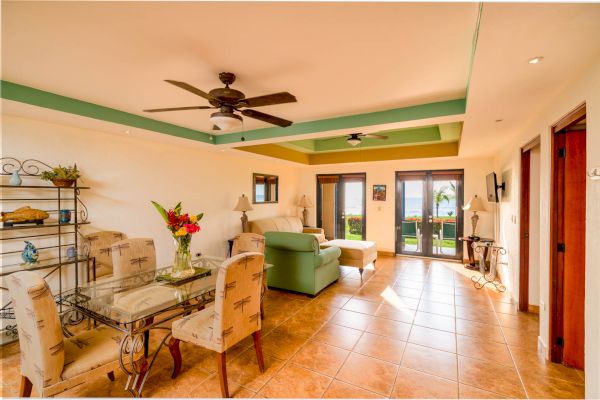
298, 262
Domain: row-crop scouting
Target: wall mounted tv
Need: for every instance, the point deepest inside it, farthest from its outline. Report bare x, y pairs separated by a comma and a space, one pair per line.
492, 188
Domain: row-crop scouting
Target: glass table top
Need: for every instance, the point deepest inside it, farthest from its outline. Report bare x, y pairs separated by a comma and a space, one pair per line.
136, 297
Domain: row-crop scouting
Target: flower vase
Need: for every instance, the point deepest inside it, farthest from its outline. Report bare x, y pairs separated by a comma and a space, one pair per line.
182, 265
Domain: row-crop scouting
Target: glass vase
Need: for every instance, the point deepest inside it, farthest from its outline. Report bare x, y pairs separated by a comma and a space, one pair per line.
182, 265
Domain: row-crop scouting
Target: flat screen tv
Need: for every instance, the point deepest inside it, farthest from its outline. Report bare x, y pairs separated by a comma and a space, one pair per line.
492, 188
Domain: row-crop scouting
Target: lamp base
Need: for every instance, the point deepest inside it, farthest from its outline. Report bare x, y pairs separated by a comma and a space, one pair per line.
244, 222
305, 217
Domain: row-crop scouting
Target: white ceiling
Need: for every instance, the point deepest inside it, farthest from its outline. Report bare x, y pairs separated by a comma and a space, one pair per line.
337, 58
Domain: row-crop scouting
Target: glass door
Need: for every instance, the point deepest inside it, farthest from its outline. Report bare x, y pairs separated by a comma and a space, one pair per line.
341, 205
429, 219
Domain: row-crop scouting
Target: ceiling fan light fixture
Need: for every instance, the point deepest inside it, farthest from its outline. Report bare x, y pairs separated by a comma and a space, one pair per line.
226, 121
353, 141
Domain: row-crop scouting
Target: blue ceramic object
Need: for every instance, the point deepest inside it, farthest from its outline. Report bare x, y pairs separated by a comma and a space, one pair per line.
71, 252
30, 253
15, 179
65, 216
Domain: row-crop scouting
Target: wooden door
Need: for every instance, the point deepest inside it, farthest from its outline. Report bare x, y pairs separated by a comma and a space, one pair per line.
574, 248
524, 231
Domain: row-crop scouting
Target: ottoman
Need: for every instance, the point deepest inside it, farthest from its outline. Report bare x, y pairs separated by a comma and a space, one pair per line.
355, 253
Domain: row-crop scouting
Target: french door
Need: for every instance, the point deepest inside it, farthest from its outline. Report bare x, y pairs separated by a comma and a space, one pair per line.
341, 205
429, 216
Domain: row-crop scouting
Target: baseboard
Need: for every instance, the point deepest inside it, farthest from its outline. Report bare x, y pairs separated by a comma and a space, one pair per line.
542, 347
533, 309
384, 253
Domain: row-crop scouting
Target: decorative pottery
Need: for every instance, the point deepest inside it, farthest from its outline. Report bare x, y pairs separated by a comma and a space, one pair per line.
63, 183
64, 216
30, 253
15, 179
72, 252
24, 215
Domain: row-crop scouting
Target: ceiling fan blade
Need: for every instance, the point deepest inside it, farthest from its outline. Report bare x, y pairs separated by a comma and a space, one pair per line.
178, 108
266, 118
267, 100
333, 138
374, 136
190, 88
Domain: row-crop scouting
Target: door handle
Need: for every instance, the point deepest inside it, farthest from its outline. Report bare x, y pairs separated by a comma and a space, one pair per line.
430, 218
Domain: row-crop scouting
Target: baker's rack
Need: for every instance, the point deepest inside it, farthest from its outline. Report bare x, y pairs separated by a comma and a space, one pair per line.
57, 237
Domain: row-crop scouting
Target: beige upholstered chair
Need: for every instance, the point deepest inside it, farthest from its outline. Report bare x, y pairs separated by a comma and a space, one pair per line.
98, 246
233, 316
132, 256
50, 363
247, 242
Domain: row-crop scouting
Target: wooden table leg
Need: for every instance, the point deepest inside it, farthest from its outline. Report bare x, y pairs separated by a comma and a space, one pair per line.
176, 354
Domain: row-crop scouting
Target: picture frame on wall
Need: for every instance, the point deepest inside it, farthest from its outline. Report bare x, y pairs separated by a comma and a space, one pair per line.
379, 192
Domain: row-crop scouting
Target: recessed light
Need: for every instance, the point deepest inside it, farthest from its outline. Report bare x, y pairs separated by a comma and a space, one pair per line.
536, 60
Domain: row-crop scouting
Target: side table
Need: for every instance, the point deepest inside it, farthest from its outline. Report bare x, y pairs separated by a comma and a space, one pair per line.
470, 240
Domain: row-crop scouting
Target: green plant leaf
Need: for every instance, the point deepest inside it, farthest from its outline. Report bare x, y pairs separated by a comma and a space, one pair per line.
177, 208
161, 211
199, 216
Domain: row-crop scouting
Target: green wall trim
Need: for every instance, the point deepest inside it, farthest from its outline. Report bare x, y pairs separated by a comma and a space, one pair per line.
40, 98
422, 111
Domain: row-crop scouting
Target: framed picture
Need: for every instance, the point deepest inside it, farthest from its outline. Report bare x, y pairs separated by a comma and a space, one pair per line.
379, 192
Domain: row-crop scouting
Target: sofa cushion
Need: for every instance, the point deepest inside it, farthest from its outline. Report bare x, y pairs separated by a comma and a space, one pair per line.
277, 224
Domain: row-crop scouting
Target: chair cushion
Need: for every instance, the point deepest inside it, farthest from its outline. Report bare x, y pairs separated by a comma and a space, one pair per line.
278, 224
197, 328
355, 253
90, 350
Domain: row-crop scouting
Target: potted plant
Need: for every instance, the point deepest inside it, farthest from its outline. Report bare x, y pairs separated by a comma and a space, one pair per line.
62, 176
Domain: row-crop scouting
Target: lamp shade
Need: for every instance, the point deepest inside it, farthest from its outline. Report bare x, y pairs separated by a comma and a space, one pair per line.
475, 204
305, 202
243, 204
226, 121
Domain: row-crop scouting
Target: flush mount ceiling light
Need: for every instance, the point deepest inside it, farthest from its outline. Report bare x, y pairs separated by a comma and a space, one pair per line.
536, 60
226, 121
353, 140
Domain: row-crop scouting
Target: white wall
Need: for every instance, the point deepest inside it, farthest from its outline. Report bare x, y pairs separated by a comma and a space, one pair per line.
534, 226
126, 172
586, 88
381, 214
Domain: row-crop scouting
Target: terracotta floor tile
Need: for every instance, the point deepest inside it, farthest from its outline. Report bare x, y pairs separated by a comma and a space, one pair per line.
518, 338
389, 328
352, 319
304, 324
320, 357
339, 336
438, 297
436, 308
410, 284
477, 314
434, 338
435, 321
368, 373
383, 348
293, 381
522, 321
482, 349
505, 308
437, 288
397, 311
332, 299
244, 369
282, 344
211, 388
407, 292
431, 361
343, 390
361, 306
411, 384
540, 387
471, 392
533, 361
485, 375
479, 330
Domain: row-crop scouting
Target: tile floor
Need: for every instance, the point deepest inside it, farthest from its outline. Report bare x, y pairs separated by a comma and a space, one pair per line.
412, 328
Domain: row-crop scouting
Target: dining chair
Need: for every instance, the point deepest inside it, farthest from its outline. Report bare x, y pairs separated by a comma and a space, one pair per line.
133, 256
98, 246
51, 363
233, 316
247, 242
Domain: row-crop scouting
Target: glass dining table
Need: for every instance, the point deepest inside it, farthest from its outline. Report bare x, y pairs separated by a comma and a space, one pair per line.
140, 303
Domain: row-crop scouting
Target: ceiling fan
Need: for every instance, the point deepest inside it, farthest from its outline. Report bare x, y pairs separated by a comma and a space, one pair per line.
354, 139
228, 100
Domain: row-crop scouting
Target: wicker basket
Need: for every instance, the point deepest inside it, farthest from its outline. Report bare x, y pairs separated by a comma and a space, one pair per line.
63, 183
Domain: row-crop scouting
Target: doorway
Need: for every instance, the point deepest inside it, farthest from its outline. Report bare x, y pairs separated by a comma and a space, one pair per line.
429, 216
341, 205
529, 228
567, 261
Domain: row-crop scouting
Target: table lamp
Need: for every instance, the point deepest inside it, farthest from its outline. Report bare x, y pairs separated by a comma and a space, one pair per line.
474, 205
243, 205
305, 203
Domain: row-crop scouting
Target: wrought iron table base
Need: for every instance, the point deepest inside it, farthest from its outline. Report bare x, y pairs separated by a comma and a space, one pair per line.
483, 278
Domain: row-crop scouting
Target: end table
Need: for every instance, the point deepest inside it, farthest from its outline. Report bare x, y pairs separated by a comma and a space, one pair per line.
470, 240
